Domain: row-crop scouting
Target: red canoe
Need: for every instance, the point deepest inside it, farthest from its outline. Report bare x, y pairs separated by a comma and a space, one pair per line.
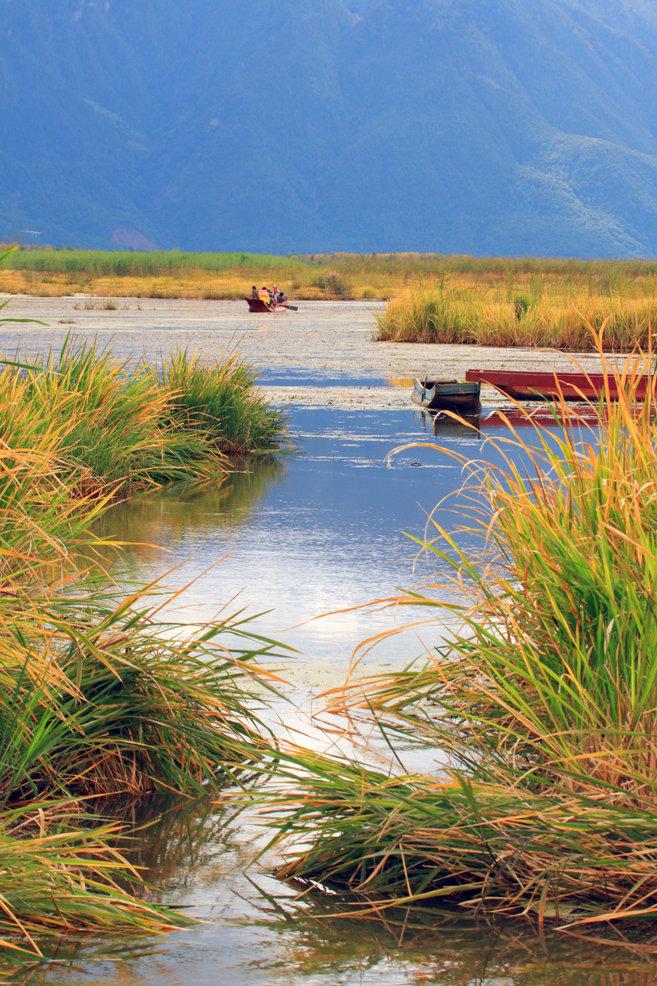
260, 306
526, 385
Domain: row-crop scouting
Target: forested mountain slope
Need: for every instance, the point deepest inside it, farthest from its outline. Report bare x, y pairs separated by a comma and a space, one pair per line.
484, 126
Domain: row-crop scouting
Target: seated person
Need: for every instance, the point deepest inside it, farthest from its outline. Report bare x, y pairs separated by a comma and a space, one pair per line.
254, 291
264, 295
280, 297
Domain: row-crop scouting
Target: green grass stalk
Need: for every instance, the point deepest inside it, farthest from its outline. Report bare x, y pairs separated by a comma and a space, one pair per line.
541, 707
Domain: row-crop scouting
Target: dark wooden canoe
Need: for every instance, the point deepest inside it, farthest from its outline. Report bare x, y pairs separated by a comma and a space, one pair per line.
526, 385
259, 306
437, 395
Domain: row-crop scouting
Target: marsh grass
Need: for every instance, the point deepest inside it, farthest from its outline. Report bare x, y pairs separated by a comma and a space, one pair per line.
120, 428
103, 699
221, 403
555, 320
62, 878
100, 696
173, 274
542, 707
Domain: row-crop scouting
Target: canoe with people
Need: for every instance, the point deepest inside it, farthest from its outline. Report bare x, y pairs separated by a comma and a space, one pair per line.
269, 300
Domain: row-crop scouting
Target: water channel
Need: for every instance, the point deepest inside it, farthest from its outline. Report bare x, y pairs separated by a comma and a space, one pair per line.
291, 538
300, 535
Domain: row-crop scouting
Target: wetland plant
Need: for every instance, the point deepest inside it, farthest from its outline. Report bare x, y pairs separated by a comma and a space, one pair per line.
541, 708
127, 428
477, 315
100, 697
220, 403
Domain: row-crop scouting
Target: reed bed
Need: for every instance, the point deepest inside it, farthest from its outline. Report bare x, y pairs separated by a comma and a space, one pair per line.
550, 321
542, 706
100, 696
129, 427
220, 404
60, 877
175, 274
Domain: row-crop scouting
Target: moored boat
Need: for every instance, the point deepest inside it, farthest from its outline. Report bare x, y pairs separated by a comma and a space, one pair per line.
527, 385
437, 395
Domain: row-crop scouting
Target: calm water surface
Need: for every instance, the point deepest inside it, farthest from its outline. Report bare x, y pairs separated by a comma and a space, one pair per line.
312, 532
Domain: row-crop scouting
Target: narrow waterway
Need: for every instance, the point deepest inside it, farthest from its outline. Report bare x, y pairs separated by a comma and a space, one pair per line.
300, 535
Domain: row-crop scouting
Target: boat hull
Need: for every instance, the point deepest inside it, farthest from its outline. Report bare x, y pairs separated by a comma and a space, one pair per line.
259, 307
556, 386
446, 395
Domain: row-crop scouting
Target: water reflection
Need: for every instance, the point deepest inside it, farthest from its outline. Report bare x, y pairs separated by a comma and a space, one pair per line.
495, 423
317, 532
153, 525
320, 530
260, 931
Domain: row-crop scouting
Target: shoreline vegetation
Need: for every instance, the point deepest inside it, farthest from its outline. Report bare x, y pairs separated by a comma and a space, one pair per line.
103, 698
339, 276
542, 704
432, 298
552, 316
540, 709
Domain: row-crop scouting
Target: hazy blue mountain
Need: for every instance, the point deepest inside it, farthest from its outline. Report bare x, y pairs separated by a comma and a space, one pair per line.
484, 126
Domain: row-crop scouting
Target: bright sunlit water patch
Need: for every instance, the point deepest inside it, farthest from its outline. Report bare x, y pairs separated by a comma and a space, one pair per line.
298, 536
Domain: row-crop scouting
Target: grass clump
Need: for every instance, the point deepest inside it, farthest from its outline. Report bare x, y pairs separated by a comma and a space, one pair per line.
557, 320
99, 696
100, 699
541, 707
113, 426
60, 877
221, 404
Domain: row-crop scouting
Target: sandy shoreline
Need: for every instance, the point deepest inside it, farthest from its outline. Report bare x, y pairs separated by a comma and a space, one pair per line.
327, 340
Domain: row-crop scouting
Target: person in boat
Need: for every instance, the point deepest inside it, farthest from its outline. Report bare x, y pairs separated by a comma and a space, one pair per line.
264, 295
281, 297
254, 292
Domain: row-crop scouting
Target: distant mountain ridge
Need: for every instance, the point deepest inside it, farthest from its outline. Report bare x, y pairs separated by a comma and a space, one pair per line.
477, 126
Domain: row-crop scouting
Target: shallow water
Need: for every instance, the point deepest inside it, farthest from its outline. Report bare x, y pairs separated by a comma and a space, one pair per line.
304, 534
315, 531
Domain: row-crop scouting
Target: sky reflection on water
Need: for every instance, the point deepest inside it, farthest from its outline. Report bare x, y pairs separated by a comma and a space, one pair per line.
314, 531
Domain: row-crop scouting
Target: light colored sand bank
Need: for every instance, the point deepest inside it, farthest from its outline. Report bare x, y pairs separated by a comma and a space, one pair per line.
328, 340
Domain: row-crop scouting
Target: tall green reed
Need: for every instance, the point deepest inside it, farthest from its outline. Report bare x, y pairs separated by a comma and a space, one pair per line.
100, 696
540, 709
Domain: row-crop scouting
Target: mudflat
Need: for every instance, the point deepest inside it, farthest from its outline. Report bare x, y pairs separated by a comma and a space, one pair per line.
330, 344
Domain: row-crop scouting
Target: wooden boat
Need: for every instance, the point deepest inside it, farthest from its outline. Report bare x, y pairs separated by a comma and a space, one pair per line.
260, 306
527, 385
456, 395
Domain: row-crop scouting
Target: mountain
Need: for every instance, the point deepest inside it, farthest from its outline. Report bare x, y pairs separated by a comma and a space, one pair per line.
476, 126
